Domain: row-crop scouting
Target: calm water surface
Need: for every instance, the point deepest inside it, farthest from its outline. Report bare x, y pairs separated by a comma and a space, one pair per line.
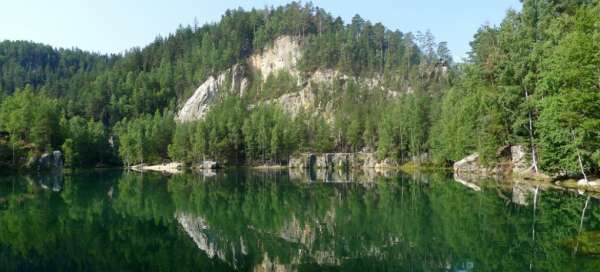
276, 221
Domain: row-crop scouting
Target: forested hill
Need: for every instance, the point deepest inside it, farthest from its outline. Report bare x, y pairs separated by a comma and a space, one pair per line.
531, 81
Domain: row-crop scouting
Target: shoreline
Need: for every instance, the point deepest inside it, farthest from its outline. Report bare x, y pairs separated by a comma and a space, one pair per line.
173, 168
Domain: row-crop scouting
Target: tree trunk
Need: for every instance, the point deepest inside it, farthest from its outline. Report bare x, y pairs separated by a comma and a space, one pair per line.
531, 140
579, 158
581, 224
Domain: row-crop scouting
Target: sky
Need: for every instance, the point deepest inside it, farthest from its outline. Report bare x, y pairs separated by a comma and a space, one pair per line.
112, 26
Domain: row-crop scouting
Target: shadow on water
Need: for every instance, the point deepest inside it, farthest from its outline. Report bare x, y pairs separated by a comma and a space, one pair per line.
292, 221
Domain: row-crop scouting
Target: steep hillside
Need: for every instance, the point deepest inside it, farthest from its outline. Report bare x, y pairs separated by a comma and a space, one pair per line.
267, 83
283, 56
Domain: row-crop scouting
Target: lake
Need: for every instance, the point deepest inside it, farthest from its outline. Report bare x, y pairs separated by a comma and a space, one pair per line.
250, 220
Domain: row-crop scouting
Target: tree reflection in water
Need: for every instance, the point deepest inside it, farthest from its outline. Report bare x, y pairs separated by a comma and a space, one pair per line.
277, 220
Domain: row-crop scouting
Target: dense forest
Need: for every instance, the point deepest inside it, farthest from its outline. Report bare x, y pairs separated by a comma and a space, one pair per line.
533, 81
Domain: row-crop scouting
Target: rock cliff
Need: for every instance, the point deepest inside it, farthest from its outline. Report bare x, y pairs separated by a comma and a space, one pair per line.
206, 95
339, 161
282, 55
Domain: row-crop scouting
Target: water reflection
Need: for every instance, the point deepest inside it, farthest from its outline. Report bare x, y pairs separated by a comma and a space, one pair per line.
290, 221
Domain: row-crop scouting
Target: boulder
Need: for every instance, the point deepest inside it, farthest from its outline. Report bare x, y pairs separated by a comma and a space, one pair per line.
513, 160
50, 161
208, 164
302, 161
471, 166
171, 168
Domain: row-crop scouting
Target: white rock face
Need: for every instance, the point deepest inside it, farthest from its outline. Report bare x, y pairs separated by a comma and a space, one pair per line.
206, 95
196, 227
196, 106
171, 168
282, 55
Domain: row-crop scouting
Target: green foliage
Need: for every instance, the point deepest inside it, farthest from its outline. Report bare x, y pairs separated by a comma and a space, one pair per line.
86, 142
275, 85
230, 133
569, 122
57, 72
31, 118
268, 135
469, 121
146, 138
533, 81
181, 147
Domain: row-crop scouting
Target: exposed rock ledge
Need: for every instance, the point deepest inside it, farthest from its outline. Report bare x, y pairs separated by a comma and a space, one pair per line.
338, 161
514, 162
171, 168
282, 55
206, 95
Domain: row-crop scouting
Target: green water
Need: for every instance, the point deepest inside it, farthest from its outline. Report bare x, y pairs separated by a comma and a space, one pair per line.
265, 221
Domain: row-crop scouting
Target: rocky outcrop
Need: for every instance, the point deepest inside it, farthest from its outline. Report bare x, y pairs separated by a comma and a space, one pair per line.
518, 159
302, 161
340, 161
208, 164
294, 103
513, 160
471, 165
207, 94
333, 160
50, 161
283, 54
170, 168
198, 229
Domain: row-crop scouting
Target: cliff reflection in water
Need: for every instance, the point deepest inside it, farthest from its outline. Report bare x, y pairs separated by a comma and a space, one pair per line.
291, 221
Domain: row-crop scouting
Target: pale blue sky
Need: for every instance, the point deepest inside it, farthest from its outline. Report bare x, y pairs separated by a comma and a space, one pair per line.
111, 26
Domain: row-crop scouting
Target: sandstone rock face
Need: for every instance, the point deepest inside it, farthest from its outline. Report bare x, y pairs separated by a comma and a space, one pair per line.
470, 165
514, 162
294, 103
302, 161
169, 168
50, 161
282, 55
519, 161
196, 106
335, 160
339, 161
206, 95
198, 229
